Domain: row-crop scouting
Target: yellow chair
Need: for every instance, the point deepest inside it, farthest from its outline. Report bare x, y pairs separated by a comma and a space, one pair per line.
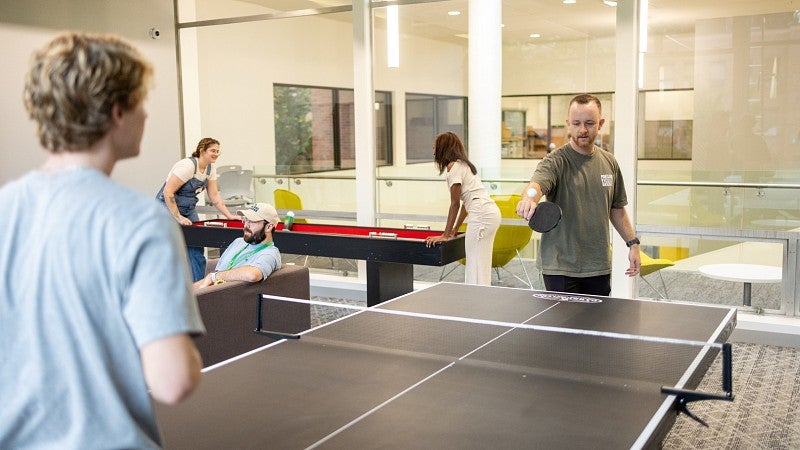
509, 240
290, 201
650, 265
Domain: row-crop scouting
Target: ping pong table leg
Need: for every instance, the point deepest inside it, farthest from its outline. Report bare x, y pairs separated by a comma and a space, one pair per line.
386, 281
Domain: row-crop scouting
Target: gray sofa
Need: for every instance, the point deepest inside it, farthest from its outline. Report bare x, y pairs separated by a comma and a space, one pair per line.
229, 312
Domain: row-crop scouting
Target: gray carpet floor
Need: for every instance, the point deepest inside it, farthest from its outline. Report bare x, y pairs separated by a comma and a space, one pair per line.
765, 413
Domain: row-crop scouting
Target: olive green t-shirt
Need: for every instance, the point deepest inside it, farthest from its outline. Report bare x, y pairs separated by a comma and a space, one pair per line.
586, 188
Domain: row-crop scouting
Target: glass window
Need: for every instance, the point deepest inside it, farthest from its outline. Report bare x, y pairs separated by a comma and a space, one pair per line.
383, 128
429, 115
293, 128
315, 131
720, 101
535, 125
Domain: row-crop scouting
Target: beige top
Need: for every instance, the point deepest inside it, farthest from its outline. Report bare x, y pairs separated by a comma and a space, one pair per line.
473, 194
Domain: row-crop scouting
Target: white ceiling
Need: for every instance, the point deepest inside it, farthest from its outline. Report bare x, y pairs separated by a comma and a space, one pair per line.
552, 19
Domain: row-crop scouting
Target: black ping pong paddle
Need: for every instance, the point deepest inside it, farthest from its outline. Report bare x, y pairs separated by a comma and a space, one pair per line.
545, 217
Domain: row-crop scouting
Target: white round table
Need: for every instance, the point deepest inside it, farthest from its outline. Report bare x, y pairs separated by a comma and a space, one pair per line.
744, 273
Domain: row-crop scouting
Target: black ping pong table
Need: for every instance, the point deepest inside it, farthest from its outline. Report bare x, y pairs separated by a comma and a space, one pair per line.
415, 380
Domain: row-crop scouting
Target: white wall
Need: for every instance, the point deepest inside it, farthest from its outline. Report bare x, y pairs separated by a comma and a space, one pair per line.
239, 63
27, 25
563, 67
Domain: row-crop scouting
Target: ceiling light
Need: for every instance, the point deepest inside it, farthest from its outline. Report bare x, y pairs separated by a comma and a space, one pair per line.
453, 13
569, 2
536, 35
643, 18
392, 36
610, 2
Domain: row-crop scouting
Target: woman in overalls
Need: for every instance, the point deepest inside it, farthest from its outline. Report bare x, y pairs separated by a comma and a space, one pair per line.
185, 182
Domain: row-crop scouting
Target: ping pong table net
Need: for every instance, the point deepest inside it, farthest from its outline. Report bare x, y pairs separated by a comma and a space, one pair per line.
605, 360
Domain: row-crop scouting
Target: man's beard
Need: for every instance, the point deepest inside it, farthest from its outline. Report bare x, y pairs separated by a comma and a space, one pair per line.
256, 237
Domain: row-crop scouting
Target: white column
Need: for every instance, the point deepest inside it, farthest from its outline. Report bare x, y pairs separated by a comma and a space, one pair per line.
625, 132
189, 81
485, 83
363, 106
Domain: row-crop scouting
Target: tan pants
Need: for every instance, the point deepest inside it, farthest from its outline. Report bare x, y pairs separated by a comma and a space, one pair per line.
482, 226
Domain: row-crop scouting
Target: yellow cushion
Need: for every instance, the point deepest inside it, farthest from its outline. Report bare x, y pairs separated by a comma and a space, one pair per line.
509, 238
288, 200
650, 265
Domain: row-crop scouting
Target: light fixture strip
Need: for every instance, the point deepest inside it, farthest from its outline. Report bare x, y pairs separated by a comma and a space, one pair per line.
392, 36
643, 13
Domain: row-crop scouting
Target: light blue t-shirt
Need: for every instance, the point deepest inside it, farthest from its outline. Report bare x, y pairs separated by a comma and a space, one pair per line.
266, 260
90, 272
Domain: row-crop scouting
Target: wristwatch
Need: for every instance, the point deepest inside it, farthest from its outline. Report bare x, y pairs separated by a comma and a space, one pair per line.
632, 242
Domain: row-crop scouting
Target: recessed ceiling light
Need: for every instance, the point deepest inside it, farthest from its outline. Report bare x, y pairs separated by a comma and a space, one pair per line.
610, 2
453, 13
536, 35
568, 2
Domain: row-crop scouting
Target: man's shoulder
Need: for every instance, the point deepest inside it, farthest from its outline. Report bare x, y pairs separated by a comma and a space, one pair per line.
11, 187
604, 152
606, 155
129, 209
89, 188
556, 158
235, 245
560, 153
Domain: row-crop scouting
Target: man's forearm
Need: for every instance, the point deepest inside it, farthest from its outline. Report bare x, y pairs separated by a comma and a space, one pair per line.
244, 273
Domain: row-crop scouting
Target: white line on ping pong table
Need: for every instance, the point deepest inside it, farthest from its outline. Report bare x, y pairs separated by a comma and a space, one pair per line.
669, 400
413, 386
510, 325
376, 408
608, 334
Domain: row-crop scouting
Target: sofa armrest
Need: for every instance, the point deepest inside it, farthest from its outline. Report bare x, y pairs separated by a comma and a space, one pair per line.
229, 313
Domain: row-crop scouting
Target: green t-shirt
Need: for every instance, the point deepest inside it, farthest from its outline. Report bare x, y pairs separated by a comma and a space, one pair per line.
586, 188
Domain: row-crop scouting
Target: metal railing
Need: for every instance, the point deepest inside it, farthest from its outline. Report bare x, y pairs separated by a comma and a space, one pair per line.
342, 186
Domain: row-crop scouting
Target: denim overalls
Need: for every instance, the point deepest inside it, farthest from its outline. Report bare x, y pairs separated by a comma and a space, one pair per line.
186, 199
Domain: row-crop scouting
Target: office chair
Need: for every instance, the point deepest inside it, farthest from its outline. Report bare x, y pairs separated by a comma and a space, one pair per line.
650, 265
228, 168
508, 241
236, 187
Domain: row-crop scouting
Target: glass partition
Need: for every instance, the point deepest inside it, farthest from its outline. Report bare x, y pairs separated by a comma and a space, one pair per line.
315, 128
719, 142
220, 10
742, 273
238, 93
719, 103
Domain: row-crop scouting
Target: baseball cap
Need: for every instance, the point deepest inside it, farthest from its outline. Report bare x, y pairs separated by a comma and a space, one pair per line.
260, 211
